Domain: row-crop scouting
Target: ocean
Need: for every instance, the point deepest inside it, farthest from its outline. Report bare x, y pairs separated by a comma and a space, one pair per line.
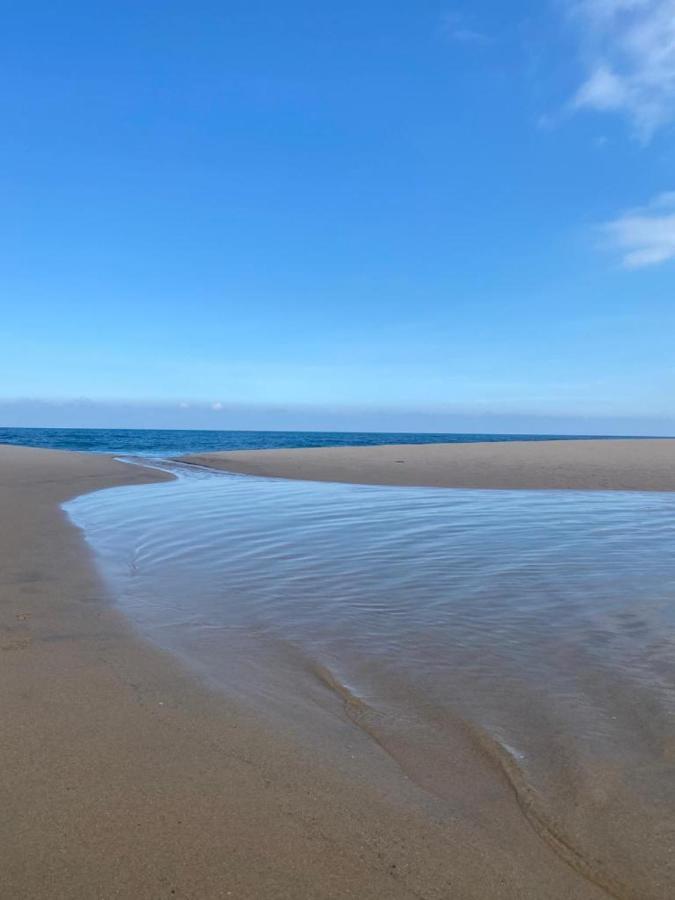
165, 442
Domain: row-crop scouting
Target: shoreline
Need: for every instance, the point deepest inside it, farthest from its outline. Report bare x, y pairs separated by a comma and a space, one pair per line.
635, 464
125, 776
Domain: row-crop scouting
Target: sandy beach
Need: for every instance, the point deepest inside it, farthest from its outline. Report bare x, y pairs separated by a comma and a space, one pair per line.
124, 776
586, 465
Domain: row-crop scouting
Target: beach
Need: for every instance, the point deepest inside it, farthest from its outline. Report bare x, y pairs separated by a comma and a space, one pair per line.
585, 465
125, 775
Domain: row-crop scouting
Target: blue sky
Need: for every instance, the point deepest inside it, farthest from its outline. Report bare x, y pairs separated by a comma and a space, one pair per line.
365, 214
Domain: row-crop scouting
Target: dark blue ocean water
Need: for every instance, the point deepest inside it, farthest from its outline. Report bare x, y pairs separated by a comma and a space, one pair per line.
164, 442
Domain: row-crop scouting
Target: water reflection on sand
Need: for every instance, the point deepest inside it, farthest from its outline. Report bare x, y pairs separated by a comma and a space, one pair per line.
537, 626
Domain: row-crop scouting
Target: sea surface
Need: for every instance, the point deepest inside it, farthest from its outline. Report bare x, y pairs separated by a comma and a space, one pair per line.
537, 627
164, 442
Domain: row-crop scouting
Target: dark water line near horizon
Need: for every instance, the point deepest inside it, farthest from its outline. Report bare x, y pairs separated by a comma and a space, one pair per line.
535, 627
169, 442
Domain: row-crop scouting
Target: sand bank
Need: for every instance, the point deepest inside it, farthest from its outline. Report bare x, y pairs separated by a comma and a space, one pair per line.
123, 776
587, 465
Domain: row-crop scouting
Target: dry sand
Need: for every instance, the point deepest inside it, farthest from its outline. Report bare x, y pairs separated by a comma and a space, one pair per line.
123, 776
616, 465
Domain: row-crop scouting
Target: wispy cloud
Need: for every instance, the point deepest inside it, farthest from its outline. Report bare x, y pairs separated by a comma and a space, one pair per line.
630, 49
645, 236
456, 27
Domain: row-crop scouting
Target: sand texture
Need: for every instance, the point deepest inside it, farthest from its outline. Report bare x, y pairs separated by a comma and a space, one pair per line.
123, 776
587, 465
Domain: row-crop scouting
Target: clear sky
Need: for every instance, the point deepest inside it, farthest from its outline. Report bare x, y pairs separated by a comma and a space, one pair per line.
234, 213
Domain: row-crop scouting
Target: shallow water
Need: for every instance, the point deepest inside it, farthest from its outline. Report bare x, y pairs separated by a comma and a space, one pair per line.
539, 625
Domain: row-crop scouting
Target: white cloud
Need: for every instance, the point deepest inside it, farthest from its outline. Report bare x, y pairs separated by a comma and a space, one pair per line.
456, 28
645, 236
217, 406
630, 48
602, 90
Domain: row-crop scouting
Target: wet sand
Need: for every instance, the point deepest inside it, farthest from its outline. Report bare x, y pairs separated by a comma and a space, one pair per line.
616, 465
124, 776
